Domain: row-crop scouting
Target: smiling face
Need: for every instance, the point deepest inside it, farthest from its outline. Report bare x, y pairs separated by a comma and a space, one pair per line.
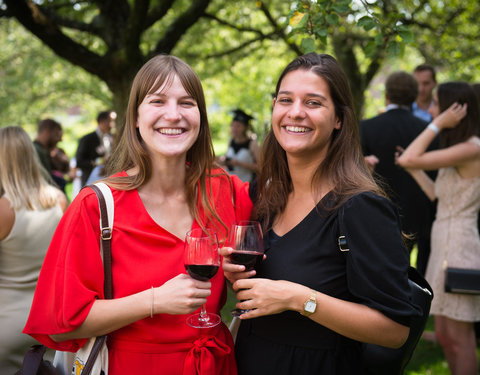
303, 117
169, 120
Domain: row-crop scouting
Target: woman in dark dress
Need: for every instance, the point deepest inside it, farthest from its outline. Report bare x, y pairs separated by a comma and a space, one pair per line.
311, 304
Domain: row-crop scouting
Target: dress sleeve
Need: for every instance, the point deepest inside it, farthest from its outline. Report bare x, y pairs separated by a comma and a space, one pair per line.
377, 263
71, 277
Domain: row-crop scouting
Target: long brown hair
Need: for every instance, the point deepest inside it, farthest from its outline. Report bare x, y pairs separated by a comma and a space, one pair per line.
463, 93
344, 164
131, 151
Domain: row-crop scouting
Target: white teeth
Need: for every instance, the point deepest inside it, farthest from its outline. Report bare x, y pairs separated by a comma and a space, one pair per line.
296, 129
170, 131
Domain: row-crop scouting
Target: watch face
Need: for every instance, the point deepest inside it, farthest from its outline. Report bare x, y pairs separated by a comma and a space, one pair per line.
310, 306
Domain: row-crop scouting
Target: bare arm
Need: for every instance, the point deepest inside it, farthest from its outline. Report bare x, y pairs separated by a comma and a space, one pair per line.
415, 155
349, 319
419, 175
180, 295
7, 217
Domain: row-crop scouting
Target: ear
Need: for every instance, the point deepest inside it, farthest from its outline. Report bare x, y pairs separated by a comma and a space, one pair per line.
338, 123
273, 103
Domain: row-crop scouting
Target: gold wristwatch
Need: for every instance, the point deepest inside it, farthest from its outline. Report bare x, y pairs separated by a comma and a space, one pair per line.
310, 304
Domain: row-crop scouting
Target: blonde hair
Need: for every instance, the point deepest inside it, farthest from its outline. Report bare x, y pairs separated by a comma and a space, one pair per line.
22, 177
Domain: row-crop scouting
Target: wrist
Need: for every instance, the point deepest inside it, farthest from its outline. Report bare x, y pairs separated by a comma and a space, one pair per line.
432, 126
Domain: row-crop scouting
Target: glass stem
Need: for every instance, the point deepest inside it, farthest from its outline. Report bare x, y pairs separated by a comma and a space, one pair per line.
203, 314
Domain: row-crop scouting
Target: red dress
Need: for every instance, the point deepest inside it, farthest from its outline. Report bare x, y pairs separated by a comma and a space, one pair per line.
143, 255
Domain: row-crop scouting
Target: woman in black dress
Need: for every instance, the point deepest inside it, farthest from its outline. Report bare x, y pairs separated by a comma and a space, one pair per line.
311, 304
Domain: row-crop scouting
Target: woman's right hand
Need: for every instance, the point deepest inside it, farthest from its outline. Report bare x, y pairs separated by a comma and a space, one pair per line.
180, 295
233, 272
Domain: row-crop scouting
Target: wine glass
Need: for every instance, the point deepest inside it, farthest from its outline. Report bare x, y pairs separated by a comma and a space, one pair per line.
202, 261
246, 239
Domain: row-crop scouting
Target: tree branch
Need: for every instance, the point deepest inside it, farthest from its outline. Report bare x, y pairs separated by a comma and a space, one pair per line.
232, 26
181, 24
158, 13
34, 20
280, 31
240, 47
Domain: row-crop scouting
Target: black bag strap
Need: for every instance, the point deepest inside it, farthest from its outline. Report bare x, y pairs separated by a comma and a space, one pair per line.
32, 360
106, 244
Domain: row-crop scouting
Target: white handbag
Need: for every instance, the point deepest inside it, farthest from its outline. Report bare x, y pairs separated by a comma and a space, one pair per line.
92, 358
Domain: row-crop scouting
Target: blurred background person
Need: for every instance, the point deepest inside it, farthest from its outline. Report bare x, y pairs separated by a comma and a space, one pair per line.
96, 146
49, 133
426, 77
30, 209
380, 136
241, 158
455, 238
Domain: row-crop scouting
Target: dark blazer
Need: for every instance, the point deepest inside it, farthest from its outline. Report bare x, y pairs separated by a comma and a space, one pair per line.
379, 136
89, 149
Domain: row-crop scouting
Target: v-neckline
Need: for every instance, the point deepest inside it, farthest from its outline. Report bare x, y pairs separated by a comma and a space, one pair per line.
193, 226
315, 208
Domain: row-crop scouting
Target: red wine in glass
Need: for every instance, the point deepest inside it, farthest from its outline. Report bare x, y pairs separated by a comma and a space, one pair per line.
246, 258
202, 261
246, 239
202, 272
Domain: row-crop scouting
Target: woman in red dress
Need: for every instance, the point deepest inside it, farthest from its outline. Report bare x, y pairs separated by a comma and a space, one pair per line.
163, 184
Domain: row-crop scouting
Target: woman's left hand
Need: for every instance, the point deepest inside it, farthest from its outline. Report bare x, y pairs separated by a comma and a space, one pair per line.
451, 117
268, 297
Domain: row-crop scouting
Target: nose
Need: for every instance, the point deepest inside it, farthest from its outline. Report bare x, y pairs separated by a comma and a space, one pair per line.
171, 112
296, 110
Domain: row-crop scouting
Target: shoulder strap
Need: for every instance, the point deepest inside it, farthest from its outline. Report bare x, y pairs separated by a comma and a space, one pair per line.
342, 238
105, 202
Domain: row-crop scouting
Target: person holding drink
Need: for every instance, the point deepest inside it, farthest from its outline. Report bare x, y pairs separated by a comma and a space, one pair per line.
164, 184
310, 305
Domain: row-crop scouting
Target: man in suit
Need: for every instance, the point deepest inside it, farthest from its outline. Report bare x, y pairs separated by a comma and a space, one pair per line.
94, 147
380, 136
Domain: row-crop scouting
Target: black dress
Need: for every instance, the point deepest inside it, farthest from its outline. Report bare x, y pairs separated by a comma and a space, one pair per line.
375, 275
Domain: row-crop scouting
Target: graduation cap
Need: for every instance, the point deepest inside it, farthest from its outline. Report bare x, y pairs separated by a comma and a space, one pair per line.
239, 115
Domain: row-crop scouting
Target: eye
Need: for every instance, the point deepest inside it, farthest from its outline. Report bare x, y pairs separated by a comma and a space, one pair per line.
188, 103
157, 101
284, 100
314, 103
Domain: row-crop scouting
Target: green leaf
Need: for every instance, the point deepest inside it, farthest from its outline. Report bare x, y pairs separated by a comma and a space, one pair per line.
393, 48
366, 22
332, 19
298, 20
308, 45
321, 31
379, 38
407, 36
370, 48
341, 8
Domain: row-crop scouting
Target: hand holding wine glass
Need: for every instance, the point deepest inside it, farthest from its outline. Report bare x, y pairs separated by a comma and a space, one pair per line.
202, 261
246, 239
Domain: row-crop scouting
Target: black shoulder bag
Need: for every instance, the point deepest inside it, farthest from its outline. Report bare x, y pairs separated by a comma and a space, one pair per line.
379, 360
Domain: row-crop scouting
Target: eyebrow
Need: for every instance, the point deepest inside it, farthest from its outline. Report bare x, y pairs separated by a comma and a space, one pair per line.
310, 94
161, 94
